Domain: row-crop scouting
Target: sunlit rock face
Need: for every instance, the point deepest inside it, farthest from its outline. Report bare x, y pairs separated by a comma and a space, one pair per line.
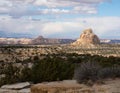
87, 38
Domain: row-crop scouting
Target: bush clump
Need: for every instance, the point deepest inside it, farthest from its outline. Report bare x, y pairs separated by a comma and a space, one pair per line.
92, 71
52, 69
48, 69
87, 71
109, 72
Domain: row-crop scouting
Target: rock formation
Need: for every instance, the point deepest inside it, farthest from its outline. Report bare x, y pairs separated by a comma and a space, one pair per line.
87, 38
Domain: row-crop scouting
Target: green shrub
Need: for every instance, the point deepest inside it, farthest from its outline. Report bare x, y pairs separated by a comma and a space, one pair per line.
52, 69
11, 74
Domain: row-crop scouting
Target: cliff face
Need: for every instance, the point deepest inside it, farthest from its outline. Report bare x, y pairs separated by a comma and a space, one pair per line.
87, 38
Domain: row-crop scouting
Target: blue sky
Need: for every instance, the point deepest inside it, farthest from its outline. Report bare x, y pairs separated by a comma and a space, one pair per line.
109, 9
60, 18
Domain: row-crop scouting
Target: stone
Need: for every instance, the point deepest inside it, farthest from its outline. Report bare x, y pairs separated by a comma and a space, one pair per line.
16, 86
87, 38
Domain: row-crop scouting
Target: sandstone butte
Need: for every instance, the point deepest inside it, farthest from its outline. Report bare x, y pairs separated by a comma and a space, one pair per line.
87, 38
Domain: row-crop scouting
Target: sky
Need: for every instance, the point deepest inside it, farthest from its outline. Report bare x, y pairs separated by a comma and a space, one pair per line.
59, 18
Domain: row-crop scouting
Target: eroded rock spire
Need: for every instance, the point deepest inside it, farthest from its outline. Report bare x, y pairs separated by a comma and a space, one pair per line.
87, 38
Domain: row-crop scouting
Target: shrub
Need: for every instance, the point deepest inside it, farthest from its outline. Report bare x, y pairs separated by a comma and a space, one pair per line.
11, 74
110, 72
52, 69
25, 74
92, 71
87, 71
15, 74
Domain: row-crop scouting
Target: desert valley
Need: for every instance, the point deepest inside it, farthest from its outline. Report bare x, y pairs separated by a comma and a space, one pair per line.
88, 43
20, 57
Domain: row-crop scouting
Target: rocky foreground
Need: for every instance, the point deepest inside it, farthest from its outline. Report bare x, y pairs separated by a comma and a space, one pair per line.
110, 86
66, 86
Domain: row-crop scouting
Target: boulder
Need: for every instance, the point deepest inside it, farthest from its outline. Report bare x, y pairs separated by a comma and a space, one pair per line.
16, 86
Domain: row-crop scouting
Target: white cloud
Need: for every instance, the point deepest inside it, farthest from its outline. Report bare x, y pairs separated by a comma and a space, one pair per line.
63, 3
19, 8
20, 1
85, 9
53, 11
5, 3
90, 1
102, 26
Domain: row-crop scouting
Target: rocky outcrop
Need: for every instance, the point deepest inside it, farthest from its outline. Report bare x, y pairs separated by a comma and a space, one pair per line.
71, 86
87, 38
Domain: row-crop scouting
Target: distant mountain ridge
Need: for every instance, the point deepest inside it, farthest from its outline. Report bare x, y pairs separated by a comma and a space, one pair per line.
40, 40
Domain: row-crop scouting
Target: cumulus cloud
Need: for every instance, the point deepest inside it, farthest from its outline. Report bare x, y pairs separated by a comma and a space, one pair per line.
19, 8
104, 27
